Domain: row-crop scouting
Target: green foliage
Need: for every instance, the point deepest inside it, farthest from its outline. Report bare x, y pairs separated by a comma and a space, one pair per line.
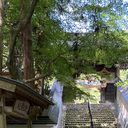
51, 35
83, 77
95, 77
120, 83
124, 77
94, 95
71, 93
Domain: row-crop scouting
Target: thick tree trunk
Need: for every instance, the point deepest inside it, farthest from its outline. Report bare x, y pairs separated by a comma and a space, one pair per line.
26, 37
17, 64
10, 62
1, 34
28, 54
13, 35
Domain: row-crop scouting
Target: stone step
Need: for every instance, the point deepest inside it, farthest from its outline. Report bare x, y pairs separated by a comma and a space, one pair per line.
87, 116
77, 116
86, 119
89, 127
95, 125
88, 123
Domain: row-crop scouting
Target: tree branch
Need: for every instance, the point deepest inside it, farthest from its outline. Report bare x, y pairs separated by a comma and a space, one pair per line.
57, 57
49, 72
23, 23
65, 60
13, 35
37, 78
65, 42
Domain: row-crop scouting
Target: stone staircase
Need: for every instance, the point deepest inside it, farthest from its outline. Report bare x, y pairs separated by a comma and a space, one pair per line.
77, 116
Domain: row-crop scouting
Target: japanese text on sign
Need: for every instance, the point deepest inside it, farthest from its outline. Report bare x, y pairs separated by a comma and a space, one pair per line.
21, 107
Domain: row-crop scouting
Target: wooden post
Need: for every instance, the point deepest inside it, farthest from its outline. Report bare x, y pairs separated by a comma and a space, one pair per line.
117, 72
102, 96
42, 86
29, 123
2, 115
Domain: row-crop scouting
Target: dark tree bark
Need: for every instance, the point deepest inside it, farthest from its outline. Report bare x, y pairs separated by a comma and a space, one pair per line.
18, 63
26, 37
28, 54
1, 34
42, 87
13, 35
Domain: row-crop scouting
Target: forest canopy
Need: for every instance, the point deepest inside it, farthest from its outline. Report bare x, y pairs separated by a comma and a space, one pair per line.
58, 39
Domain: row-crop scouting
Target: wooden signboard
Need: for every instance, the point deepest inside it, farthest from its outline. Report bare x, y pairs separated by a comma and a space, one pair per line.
7, 86
21, 107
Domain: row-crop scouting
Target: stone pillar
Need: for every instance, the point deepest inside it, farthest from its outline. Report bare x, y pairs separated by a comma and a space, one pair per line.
2, 115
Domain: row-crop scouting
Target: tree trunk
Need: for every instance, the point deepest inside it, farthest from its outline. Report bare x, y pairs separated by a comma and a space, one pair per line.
11, 62
42, 87
17, 64
1, 34
13, 35
27, 48
26, 37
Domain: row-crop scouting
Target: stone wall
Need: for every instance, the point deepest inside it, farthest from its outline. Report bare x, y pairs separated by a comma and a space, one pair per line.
122, 106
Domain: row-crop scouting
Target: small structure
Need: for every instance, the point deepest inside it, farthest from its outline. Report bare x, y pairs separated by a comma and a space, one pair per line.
108, 91
20, 102
106, 87
105, 71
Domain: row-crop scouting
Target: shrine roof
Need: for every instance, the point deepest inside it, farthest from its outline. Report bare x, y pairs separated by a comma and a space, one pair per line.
26, 88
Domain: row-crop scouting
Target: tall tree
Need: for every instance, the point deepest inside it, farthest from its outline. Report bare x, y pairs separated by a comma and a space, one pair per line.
1, 33
13, 36
57, 47
26, 37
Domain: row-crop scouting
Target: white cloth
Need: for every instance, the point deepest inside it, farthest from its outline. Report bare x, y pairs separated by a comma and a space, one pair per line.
56, 92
